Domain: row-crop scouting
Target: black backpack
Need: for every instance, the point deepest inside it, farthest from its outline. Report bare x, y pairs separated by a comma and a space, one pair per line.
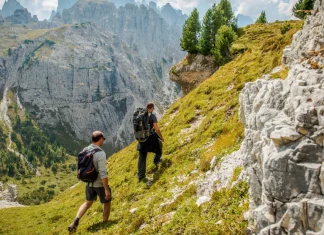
86, 169
141, 124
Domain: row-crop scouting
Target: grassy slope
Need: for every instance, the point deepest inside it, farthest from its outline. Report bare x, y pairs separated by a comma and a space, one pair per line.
186, 158
27, 182
12, 35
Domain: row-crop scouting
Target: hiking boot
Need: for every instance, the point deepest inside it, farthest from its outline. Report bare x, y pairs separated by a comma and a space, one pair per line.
73, 227
146, 181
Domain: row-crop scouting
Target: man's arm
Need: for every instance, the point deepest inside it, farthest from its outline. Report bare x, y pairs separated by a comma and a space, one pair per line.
103, 173
105, 185
157, 130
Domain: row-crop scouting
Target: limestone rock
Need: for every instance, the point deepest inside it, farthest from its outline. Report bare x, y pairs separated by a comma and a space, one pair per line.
192, 71
283, 145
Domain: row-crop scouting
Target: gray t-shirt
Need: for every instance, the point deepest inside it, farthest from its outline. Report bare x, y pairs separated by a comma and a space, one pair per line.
99, 161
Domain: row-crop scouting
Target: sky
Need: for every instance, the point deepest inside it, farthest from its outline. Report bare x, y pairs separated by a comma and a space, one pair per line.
275, 9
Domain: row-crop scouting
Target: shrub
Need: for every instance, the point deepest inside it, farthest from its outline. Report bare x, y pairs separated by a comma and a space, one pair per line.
285, 27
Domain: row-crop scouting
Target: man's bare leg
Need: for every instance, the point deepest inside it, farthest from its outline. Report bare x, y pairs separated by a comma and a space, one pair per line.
106, 211
83, 208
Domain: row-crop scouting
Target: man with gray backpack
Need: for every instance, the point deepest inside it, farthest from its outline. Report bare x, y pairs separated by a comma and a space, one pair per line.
149, 137
92, 170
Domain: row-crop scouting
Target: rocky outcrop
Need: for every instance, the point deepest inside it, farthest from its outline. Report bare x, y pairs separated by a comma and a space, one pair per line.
8, 196
192, 70
284, 134
21, 16
9, 7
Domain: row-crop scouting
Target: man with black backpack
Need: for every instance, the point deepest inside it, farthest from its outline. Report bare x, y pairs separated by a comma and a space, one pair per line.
97, 183
152, 144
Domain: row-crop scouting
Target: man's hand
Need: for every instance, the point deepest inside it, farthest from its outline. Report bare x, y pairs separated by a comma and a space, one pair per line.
107, 193
162, 139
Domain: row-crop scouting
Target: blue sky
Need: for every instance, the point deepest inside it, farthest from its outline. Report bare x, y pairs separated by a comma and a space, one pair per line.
275, 9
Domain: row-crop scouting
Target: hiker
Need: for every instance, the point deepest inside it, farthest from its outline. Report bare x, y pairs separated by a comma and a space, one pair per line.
152, 144
100, 186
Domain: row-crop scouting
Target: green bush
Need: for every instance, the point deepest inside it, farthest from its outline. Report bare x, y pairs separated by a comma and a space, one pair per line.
285, 27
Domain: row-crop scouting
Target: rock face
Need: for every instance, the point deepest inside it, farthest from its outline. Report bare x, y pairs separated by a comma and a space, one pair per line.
8, 197
65, 4
10, 7
172, 16
86, 81
21, 16
283, 147
192, 70
87, 76
142, 28
119, 3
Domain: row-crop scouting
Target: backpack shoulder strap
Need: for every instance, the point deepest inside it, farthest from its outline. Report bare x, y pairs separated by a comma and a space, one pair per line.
95, 151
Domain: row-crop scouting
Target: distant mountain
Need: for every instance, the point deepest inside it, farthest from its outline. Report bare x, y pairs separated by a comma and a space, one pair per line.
65, 4
93, 75
52, 15
119, 3
10, 7
243, 20
173, 16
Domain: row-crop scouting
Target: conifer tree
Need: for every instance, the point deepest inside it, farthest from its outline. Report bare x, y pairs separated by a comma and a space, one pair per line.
217, 22
190, 33
226, 8
301, 7
206, 37
262, 18
224, 39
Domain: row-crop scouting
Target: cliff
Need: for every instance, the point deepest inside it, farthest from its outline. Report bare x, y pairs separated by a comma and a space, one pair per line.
283, 145
192, 70
9, 7
104, 69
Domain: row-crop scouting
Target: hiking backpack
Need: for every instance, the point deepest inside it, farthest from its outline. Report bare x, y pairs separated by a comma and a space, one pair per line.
86, 169
141, 124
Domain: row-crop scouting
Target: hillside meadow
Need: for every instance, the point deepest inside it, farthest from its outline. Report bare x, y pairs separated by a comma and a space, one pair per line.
201, 125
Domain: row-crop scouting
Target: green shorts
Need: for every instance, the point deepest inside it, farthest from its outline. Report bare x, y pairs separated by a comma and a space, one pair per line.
93, 192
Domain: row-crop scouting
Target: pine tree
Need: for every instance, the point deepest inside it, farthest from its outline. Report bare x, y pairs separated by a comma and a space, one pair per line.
262, 18
190, 33
226, 8
301, 7
224, 39
217, 22
206, 38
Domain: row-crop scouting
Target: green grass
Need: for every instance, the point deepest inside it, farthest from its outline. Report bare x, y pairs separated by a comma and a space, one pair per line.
186, 157
32, 189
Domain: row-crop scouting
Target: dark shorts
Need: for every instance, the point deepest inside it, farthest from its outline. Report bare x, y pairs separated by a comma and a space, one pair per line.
92, 193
